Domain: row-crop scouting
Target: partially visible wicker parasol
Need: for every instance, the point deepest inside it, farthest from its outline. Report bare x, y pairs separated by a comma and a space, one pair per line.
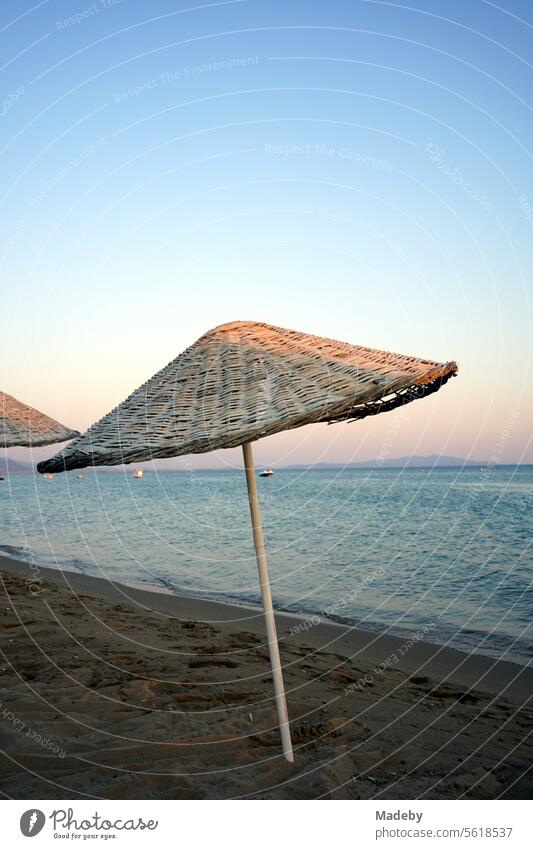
237, 383
21, 425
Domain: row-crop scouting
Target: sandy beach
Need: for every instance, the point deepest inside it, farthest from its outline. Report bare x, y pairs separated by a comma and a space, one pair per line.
115, 692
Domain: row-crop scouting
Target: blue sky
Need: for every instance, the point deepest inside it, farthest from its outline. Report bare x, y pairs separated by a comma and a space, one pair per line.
360, 170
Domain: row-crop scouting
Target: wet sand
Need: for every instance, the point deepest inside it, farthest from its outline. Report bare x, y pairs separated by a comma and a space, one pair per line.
115, 692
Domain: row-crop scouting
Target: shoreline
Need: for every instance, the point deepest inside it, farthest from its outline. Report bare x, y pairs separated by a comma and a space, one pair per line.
464, 669
471, 642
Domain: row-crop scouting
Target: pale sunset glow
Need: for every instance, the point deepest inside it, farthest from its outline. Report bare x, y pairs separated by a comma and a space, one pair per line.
272, 172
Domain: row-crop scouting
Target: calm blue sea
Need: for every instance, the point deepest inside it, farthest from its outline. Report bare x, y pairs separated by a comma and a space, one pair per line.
445, 551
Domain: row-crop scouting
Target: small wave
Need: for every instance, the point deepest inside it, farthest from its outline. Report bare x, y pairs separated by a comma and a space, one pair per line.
16, 551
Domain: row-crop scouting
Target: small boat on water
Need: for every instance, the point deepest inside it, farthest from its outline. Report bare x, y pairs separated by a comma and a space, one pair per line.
80, 477
138, 474
49, 477
266, 473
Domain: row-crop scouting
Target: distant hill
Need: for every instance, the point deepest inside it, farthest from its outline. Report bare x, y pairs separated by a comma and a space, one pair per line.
415, 461
15, 467
439, 461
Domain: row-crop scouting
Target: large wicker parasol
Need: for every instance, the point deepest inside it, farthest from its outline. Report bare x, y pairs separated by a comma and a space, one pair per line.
21, 425
237, 383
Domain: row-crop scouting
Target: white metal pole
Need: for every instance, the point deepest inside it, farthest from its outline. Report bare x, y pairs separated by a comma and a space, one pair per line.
275, 662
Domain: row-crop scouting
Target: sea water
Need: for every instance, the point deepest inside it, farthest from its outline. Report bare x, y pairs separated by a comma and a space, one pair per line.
443, 553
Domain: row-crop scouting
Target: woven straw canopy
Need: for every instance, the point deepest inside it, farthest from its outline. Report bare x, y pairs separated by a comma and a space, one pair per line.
245, 380
25, 426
